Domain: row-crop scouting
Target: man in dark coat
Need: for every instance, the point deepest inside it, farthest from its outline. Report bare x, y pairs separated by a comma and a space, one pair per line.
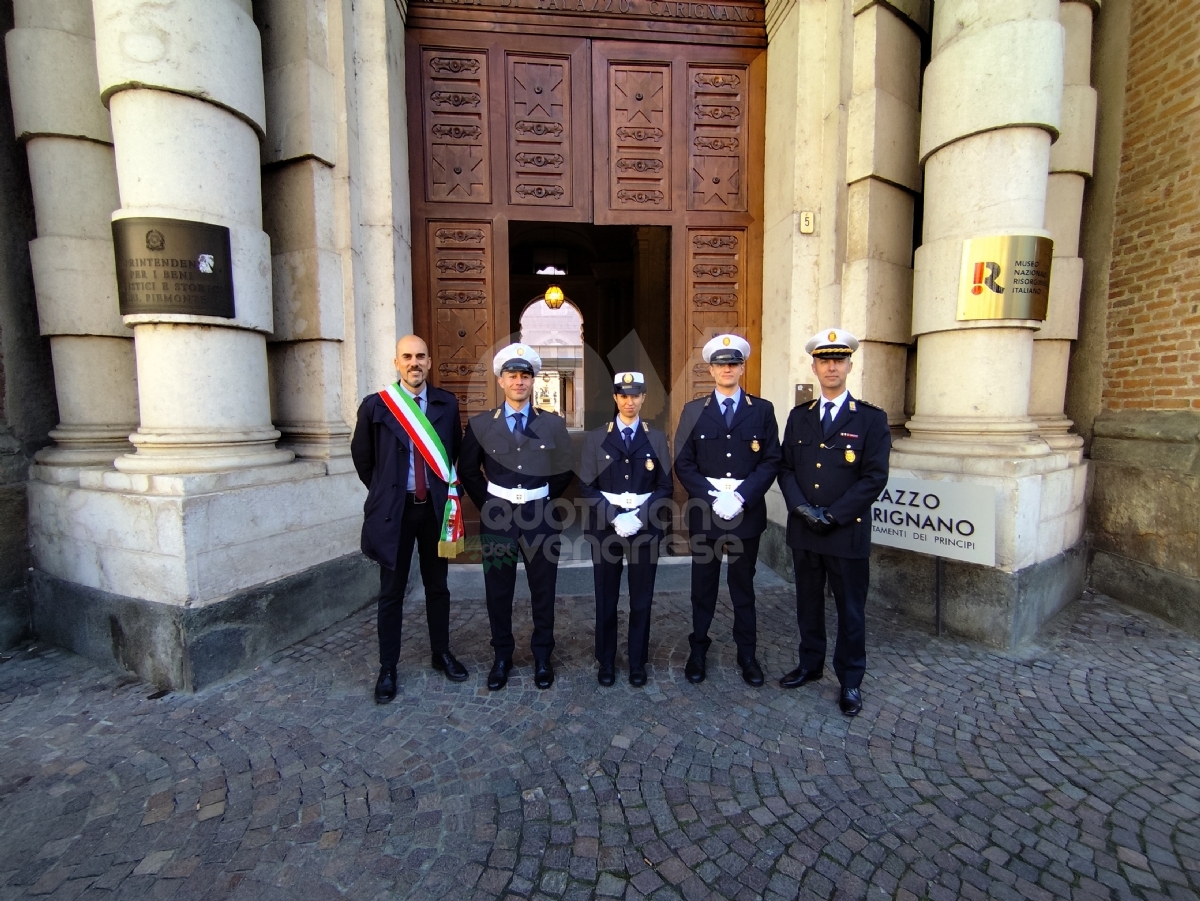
406, 503
515, 461
726, 457
624, 476
835, 464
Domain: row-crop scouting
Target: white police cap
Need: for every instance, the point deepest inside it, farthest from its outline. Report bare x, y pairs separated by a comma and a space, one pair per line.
629, 383
727, 349
834, 343
517, 358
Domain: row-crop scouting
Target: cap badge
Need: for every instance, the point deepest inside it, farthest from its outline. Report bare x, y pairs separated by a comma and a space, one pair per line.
754, 445
628, 379
520, 351
725, 341
833, 336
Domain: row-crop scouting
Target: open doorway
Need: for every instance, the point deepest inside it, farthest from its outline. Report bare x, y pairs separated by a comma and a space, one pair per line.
556, 333
616, 280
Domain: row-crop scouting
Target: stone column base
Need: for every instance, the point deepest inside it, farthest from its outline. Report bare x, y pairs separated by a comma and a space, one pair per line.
190, 648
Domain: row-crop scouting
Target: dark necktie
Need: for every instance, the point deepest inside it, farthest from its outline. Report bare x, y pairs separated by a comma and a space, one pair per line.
518, 430
827, 419
420, 490
628, 433
728, 412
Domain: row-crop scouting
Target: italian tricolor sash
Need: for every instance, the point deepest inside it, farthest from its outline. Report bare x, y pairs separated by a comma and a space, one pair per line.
425, 439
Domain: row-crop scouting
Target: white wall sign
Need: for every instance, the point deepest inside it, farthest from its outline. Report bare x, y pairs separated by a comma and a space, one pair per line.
945, 519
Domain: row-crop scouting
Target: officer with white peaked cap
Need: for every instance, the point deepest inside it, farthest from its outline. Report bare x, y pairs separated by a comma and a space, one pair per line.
516, 460
726, 457
835, 464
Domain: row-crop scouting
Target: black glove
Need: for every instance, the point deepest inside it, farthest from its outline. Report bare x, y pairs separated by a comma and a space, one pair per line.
817, 519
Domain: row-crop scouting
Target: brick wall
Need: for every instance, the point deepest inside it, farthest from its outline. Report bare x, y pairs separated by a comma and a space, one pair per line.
1152, 359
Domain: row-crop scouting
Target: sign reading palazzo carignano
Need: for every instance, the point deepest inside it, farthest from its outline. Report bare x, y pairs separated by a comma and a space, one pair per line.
943, 519
173, 266
1005, 277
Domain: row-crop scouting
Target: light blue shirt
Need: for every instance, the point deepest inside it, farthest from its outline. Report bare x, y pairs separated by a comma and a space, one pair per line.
621, 427
721, 398
422, 399
510, 415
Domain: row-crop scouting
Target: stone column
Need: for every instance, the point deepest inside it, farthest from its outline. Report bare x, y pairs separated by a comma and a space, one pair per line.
992, 106
68, 142
299, 156
184, 85
1070, 167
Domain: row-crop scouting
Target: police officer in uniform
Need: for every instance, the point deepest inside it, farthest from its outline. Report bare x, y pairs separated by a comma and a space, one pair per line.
835, 464
624, 476
405, 504
726, 457
515, 460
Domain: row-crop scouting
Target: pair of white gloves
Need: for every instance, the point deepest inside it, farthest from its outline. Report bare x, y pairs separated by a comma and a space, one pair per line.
627, 524
726, 504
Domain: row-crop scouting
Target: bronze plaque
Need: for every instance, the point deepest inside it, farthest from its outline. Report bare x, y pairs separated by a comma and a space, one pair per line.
173, 266
1005, 277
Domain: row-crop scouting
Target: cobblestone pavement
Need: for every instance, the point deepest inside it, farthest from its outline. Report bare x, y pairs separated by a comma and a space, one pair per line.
1071, 770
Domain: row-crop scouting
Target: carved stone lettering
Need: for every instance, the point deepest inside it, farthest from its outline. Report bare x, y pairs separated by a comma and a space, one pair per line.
626, 196
460, 235
455, 98
456, 132
714, 241
453, 65
640, 165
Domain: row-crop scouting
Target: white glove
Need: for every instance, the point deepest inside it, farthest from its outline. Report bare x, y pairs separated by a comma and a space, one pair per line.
726, 505
627, 524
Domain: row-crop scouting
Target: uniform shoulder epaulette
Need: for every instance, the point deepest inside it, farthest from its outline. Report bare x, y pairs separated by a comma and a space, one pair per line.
610, 425
497, 416
749, 399
867, 403
645, 427
813, 404
708, 400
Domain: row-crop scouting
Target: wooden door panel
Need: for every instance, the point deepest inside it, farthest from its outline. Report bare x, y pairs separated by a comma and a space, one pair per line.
540, 134
457, 145
716, 294
639, 130
462, 285
717, 139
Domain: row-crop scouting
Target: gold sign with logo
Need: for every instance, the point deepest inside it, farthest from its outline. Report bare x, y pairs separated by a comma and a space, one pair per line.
1005, 277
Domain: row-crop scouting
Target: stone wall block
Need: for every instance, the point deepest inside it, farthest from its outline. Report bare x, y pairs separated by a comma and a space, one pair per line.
1064, 204
991, 78
962, 20
1051, 358
1076, 19
306, 284
208, 49
918, 13
1062, 314
1075, 148
887, 56
54, 86
881, 139
83, 361
959, 358
1149, 515
877, 301
879, 222
876, 367
300, 114
76, 285
74, 187
71, 16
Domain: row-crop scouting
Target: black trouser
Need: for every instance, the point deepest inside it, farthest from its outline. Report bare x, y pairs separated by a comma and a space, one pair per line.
420, 524
609, 552
849, 579
706, 580
540, 551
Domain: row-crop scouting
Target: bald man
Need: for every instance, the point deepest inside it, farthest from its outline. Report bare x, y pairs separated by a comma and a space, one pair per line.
407, 503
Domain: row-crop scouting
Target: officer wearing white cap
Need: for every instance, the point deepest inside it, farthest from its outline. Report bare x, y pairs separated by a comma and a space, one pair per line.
835, 464
726, 457
515, 460
624, 476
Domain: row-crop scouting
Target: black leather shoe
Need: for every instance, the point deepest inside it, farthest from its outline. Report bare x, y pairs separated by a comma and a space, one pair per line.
752, 673
385, 685
694, 669
800, 676
637, 676
449, 665
607, 675
498, 677
543, 673
850, 701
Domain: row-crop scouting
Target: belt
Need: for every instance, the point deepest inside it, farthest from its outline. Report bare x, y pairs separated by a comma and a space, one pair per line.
627, 501
725, 484
518, 495
412, 498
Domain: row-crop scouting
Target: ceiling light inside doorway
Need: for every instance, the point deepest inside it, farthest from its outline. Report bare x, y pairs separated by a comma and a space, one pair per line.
550, 261
554, 297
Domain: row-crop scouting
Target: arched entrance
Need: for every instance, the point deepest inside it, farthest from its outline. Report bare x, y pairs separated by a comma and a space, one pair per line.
557, 336
641, 117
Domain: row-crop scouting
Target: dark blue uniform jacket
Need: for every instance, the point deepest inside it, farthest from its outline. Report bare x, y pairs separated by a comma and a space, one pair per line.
380, 449
605, 466
490, 453
844, 474
746, 450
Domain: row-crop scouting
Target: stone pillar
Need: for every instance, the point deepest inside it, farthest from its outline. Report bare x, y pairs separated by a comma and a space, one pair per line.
68, 142
187, 116
300, 152
993, 93
1070, 167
